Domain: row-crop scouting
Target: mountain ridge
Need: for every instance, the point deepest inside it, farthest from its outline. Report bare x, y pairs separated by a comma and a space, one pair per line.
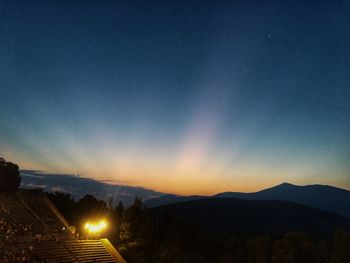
325, 197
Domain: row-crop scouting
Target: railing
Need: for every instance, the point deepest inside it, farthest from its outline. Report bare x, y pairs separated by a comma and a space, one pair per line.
29, 209
72, 229
111, 249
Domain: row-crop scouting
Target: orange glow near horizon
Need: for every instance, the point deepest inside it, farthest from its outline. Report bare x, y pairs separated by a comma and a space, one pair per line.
190, 174
114, 95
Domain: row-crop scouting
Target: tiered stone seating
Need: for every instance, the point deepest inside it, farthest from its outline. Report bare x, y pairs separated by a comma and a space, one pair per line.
12, 234
37, 203
53, 251
89, 251
74, 251
48, 218
34, 222
18, 212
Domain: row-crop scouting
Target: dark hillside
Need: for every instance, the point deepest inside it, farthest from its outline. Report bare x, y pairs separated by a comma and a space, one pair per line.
254, 217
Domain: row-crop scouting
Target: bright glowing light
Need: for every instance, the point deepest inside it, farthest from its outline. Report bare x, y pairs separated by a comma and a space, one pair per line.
96, 227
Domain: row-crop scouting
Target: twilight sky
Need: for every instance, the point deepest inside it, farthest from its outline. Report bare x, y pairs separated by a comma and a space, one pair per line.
192, 97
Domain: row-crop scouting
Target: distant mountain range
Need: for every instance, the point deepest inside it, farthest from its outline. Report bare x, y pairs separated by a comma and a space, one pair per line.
78, 187
324, 197
171, 199
253, 217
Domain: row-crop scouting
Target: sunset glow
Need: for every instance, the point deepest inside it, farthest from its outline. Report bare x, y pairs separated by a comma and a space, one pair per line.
187, 102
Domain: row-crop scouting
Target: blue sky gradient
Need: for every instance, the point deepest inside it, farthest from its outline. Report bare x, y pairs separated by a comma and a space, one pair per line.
182, 97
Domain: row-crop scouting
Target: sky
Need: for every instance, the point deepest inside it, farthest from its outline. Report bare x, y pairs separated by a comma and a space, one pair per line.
185, 97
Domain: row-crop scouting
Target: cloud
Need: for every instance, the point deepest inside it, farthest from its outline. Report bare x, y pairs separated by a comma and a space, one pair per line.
78, 186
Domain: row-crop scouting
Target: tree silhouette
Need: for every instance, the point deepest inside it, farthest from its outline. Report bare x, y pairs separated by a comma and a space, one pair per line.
119, 211
89, 206
9, 176
135, 233
341, 245
259, 249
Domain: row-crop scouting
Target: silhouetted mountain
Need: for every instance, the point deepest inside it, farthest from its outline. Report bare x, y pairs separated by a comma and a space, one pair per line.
328, 198
324, 197
171, 199
254, 217
78, 187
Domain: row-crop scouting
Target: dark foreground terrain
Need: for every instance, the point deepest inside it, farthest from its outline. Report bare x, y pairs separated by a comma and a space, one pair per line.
205, 230
255, 217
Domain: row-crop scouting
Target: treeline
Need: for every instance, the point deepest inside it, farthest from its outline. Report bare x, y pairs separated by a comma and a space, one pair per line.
140, 236
9, 176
